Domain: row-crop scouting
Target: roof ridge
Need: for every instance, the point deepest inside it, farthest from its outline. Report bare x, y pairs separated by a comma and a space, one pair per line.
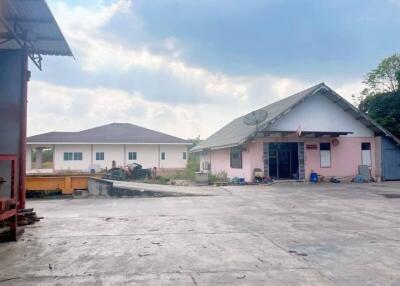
285, 98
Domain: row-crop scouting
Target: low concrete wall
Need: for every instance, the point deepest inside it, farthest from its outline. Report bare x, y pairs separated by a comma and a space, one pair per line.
99, 187
202, 178
119, 189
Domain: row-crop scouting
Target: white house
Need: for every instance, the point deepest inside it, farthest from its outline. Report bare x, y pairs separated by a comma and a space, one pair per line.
97, 148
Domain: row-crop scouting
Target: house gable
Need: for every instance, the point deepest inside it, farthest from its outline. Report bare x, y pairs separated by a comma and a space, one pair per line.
319, 113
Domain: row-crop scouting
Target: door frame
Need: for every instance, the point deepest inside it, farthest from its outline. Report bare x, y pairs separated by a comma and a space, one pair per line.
300, 155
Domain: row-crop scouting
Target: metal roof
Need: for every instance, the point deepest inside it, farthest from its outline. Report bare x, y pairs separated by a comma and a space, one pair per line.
30, 23
236, 132
117, 133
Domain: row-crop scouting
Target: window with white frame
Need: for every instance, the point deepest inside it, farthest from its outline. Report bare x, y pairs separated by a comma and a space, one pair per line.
184, 155
162, 155
206, 166
132, 155
73, 156
78, 156
325, 154
99, 156
366, 153
68, 156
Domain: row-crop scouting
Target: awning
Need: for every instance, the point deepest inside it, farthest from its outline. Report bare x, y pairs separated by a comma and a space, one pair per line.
30, 24
305, 134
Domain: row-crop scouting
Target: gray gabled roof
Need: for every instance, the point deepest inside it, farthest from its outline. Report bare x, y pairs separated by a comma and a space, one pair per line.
237, 133
111, 133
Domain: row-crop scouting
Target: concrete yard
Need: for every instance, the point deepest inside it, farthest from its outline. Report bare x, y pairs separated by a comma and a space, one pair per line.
332, 234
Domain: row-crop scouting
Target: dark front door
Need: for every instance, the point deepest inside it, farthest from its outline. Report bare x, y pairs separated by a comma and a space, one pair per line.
283, 160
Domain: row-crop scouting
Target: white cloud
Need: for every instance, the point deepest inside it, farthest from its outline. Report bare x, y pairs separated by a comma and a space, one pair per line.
60, 108
99, 54
53, 107
353, 87
76, 20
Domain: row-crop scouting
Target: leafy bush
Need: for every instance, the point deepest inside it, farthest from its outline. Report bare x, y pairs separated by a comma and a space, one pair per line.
221, 177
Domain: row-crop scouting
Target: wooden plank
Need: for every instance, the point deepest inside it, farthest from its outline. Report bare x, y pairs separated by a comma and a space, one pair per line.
8, 214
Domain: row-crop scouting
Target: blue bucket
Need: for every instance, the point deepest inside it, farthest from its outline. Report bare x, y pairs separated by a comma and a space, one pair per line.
314, 177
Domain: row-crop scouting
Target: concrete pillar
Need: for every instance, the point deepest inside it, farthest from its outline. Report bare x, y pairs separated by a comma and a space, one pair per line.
28, 158
39, 158
54, 157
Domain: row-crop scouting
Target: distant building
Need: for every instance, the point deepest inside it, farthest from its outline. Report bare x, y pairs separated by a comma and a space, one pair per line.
97, 148
313, 130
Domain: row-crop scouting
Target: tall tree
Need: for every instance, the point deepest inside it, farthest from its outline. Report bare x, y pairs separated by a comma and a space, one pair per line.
384, 77
381, 97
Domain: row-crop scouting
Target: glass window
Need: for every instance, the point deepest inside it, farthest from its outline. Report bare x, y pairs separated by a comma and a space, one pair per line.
132, 155
67, 156
78, 156
325, 154
99, 156
236, 158
366, 146
162, 155
184, 155
366, 153
325, 146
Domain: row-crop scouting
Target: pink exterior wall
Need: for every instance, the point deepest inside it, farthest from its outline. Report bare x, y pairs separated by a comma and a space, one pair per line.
220, 162
345, 157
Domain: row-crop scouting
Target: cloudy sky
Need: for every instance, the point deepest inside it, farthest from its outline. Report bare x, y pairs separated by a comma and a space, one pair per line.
189, 67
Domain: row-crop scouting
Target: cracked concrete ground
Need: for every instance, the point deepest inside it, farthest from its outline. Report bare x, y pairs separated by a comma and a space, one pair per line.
334, 234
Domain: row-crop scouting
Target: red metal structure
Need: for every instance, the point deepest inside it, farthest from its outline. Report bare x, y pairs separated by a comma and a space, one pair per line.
27, 30
8, 206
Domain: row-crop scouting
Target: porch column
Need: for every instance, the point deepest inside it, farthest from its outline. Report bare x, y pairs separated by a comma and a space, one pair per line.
300, 151
266, 159
39, 158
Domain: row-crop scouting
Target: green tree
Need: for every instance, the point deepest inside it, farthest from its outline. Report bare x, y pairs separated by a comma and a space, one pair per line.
384, 108
381, 98
384, 78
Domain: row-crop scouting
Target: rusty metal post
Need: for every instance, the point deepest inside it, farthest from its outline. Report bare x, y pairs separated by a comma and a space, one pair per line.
22, 139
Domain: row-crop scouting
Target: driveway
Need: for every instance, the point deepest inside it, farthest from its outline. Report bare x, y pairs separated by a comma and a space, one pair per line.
333, 234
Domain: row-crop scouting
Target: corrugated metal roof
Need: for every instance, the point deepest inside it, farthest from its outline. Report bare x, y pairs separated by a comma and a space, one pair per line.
34, 23
110, 133
236, 132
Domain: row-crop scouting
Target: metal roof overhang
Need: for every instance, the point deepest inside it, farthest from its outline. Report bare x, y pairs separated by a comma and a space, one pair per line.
286, 134
305, 134
30, 25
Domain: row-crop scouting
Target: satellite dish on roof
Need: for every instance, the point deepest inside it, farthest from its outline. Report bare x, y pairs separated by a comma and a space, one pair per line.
255, 117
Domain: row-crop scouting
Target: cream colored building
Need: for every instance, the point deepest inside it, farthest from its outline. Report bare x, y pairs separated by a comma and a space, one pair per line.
99, 147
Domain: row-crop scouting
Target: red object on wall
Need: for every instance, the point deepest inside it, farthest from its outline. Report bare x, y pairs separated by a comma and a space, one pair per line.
311, 146
335, 142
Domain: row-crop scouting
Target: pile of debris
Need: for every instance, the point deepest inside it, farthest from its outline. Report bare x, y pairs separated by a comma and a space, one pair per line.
130, 172
27, 217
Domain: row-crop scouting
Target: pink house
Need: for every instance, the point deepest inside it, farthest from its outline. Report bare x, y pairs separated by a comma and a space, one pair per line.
313, 130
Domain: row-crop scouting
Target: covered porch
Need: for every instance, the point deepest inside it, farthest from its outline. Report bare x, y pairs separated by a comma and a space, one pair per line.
294, 155
40, 158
